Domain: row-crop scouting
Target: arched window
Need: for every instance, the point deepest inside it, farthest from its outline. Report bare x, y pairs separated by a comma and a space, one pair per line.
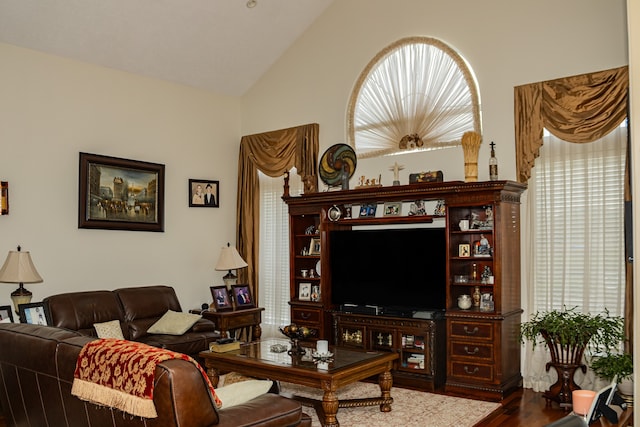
417, 94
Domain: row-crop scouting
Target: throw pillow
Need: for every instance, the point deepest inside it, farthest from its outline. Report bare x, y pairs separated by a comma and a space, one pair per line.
239, 393
109, 330
174, 323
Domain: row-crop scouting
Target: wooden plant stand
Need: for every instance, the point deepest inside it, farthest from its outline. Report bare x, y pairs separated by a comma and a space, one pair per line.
566, 359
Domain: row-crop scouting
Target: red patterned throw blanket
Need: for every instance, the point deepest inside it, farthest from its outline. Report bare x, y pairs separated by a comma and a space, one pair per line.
120, 374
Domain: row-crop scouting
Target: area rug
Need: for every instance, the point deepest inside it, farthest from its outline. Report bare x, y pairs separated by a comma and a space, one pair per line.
410, 408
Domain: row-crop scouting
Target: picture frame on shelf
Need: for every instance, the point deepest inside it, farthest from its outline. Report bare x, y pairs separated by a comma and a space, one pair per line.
120, 194
368, 210
204, 193
35, 313
6, 315
304, 291
242, 296
392, 209
221, 299
314, 246
464, 250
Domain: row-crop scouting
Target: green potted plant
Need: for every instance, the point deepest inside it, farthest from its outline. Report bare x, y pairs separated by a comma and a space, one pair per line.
617, 364
568, 333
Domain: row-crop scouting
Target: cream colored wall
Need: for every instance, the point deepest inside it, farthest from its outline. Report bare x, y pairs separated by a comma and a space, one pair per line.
506, 43
52, 108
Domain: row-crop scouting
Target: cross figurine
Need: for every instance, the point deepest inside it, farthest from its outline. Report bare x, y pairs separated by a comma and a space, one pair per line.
396, 168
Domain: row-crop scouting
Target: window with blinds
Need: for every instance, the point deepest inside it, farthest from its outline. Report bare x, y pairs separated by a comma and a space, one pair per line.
577, 220
274, 251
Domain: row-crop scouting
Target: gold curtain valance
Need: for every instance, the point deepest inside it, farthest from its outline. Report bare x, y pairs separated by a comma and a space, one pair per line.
273, 153
578, 109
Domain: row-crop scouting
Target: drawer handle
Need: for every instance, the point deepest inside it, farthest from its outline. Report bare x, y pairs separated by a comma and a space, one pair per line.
475, 350
472, 332
305, 315
474, 371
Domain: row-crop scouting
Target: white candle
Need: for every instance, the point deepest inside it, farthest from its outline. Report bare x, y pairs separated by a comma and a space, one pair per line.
322, 346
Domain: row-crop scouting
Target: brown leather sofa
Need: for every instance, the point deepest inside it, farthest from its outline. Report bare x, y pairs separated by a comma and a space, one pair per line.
137, 308
36, 370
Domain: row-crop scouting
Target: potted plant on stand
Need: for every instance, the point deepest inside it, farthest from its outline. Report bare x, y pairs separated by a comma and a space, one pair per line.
568, 333
616, 365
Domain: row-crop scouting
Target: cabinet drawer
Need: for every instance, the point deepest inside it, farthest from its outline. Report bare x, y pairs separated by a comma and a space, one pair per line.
472, 349
466, 329
474, 371
305, 315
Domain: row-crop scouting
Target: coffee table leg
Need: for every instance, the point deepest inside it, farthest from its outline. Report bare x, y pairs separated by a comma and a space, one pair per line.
330, 406
214, 375
386, 381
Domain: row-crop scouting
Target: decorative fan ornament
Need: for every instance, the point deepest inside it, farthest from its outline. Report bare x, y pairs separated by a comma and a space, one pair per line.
337, 165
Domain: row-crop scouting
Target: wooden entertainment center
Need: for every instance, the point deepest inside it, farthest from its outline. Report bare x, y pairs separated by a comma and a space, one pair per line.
471, 352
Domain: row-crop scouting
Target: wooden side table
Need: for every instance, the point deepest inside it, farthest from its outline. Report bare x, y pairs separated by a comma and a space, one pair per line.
246, 321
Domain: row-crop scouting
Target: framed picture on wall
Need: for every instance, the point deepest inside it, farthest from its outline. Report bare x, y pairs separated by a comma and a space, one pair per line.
120, 194
204, 193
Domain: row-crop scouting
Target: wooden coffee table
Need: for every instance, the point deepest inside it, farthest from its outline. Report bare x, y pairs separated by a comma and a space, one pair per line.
347, 366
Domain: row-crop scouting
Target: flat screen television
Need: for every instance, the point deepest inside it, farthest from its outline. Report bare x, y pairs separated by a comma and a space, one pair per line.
399, 269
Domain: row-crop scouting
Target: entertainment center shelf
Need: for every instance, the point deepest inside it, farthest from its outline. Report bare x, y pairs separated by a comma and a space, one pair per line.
481, 254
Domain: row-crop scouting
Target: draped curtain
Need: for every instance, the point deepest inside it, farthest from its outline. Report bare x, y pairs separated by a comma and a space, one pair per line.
273, 153
578, 109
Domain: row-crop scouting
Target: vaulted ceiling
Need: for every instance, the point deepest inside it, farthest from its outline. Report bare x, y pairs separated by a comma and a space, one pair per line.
217, 45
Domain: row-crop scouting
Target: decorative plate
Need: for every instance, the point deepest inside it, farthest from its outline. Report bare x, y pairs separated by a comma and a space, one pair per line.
318, 268
333, 160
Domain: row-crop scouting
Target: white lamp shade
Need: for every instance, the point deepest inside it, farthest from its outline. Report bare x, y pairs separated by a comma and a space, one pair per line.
18, 268
230, 259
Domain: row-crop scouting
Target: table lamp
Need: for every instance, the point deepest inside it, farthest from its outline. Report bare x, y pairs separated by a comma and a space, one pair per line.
229, 260
18, 268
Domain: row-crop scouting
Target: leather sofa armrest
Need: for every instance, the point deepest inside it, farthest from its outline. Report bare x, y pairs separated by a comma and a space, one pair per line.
203, 325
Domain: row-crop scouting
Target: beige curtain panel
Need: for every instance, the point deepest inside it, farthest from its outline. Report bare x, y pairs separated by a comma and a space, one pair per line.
577, 109
273, 153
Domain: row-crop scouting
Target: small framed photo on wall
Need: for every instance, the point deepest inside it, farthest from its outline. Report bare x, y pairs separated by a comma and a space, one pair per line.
204, 193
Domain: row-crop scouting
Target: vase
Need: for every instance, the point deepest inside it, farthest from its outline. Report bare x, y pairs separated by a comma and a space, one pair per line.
470, 147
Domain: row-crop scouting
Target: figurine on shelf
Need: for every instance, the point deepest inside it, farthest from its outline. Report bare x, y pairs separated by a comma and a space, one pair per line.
486, 273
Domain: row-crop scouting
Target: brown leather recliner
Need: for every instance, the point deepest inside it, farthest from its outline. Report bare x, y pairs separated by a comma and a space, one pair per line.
37, 364
136, 308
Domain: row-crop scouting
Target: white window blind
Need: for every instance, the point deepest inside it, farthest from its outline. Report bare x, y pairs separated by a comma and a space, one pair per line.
576, 246
274, 251
578, 224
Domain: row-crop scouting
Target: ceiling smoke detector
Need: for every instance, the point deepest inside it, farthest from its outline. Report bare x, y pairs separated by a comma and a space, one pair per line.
251, 4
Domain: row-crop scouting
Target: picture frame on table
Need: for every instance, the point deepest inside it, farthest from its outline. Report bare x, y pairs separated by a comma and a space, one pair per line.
242, 296
6, 315
35, 313
221, 298
304, 291
120, 194
204, 193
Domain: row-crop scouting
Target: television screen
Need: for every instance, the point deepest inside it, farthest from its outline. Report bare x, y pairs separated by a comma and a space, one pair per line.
402, 268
